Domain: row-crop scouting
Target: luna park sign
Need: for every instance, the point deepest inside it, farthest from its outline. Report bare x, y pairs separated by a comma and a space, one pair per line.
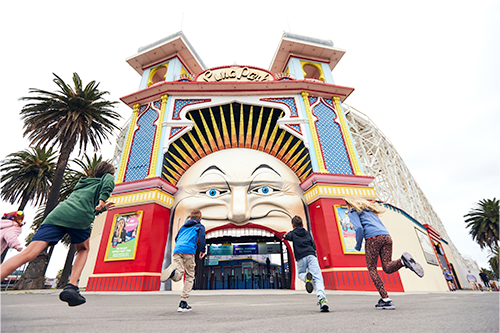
235, 73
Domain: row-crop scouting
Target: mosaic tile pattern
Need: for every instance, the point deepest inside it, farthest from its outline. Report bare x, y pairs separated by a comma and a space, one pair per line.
289, 101
142, 144
175, 130
295, 127
181, 103
331, 140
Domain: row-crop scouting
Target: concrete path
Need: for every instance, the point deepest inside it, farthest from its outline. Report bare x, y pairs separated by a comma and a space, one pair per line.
250, 311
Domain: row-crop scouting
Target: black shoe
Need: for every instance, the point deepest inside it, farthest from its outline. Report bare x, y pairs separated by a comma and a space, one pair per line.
410, 263
382, 305
71, 295
168, 273
323, 305
184, 307
309, 285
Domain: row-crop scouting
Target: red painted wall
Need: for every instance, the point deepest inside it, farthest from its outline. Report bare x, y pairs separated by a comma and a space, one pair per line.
151, 242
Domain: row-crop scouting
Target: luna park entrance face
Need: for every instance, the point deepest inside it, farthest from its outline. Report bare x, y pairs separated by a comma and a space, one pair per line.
248, 258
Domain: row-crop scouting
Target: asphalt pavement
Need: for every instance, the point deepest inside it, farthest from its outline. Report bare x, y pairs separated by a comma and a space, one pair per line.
249, 311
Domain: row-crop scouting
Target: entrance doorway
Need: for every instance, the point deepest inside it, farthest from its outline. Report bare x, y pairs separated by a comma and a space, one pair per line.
258, 259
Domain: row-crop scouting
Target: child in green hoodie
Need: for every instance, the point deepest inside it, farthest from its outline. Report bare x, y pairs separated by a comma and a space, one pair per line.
74, 217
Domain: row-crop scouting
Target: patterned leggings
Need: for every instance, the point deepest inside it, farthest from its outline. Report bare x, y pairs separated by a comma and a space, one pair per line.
380, 246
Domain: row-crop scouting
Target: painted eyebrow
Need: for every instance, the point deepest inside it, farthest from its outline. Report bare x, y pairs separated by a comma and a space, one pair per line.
265, 166
211, 168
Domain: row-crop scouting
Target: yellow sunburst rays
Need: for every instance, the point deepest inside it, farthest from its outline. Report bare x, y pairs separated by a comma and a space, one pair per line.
234, 139
180, 164
291, 151
266, 131
241, 137
211, 140
227, 141
277, 144
302, 173
283, 150
256, 138
291, 162
204, 143
190, 150
175, 176
270, 142
186, 157
196, 145
218, 137
248, 140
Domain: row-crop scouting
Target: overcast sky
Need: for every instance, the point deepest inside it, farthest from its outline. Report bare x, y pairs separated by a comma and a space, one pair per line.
426, 73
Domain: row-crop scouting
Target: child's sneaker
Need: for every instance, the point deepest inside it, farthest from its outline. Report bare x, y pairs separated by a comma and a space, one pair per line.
383, 305
309, 285
184, 307
323, 305
168, 273
410, 263
71, 295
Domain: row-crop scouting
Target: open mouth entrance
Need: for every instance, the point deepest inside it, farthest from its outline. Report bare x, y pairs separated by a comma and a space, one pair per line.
244, 258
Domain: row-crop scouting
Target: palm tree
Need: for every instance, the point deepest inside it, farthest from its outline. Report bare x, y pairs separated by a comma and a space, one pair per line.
494, 256
69, 117
26, 176
483, 223
71, 178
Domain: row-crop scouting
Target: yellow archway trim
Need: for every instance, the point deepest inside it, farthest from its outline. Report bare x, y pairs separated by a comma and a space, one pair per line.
314, 64
153, 72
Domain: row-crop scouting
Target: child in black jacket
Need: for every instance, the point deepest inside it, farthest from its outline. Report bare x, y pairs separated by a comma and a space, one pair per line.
305, 255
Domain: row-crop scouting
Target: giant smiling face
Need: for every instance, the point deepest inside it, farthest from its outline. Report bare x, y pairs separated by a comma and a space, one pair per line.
239, 186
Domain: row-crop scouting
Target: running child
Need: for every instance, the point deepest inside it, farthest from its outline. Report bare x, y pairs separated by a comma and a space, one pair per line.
11, 228
190, 236
363, 215
304, 250
73, 216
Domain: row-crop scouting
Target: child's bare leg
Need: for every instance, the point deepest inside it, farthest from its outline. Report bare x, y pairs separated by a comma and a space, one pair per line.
81, 258
30, 253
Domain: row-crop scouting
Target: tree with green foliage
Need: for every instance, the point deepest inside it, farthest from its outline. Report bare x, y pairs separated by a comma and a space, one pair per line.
483, 223
27, 176
70, 117
493, 261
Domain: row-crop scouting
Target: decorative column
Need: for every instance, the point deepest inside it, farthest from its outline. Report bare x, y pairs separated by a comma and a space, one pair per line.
347, 137
314, 134
156, 144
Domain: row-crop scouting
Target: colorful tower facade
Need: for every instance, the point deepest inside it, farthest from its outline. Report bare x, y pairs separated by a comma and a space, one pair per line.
249, 147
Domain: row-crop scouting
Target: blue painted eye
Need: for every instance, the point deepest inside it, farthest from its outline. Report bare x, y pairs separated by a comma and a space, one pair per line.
265, 190
212, 193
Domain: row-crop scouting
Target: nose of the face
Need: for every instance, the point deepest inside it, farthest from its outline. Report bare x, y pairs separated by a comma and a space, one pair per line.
239, 210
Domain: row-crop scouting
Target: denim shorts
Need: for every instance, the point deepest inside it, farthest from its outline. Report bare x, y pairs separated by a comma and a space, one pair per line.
52, 234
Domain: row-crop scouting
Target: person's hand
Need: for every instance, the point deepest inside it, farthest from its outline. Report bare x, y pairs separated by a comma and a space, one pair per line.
19, 248
284, 235
109, 205
202, 255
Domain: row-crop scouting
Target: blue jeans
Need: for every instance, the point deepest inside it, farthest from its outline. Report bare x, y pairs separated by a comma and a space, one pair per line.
311, 264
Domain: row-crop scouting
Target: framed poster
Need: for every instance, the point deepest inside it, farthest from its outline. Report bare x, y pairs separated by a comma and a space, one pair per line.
122, 243
346, 231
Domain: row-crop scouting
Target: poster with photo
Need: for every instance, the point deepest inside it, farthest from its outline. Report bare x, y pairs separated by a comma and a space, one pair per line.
122, 244
346, 231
